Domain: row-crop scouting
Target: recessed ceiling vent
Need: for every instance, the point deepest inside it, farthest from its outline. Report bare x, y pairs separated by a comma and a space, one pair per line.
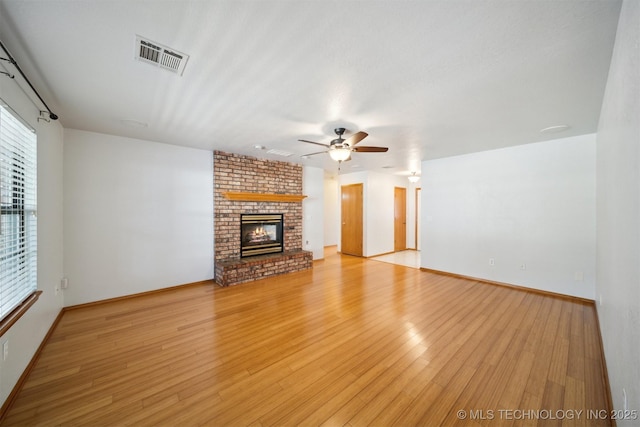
161, 56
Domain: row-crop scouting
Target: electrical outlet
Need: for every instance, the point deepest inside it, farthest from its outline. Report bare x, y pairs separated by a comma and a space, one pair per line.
64, 283
492, 261
523, 266
5, 350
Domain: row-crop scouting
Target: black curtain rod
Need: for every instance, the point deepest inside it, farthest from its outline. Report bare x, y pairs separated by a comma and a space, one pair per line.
52, 115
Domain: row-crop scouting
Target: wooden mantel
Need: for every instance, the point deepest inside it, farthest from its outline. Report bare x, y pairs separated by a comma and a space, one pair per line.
262, 197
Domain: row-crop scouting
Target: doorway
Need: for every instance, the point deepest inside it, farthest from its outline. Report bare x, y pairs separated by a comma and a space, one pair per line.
399, 219
351, 235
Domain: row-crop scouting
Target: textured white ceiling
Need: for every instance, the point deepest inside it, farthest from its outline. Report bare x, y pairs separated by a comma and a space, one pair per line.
428, 79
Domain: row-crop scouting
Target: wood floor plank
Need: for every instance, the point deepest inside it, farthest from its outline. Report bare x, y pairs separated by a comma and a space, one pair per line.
350, 342
348, 402
512, 393
386, 386
553, 401
574, 398
441, 406
468, 400
415, 409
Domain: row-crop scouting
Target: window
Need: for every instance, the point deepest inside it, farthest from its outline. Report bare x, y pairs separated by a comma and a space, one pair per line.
18, 239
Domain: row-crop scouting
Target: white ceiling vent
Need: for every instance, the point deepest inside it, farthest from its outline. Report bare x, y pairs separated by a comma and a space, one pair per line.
161, 56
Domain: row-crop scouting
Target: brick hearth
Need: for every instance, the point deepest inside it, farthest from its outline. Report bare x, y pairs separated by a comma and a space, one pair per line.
234, 173
236, 271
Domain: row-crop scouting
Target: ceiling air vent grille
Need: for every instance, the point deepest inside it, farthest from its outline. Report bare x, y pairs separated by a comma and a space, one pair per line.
160, 56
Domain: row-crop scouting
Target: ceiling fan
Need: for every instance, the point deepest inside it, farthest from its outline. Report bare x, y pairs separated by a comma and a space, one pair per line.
340, 149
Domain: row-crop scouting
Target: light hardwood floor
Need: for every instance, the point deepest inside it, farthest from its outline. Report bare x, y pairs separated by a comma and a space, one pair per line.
351, 342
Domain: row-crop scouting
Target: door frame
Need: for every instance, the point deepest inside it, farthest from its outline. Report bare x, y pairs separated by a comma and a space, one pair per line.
357, 231
399, 219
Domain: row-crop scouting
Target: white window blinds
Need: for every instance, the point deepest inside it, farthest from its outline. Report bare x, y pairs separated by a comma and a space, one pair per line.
18, 239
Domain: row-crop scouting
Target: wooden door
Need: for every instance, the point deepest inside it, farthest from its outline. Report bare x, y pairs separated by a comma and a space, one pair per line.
351, 210
400, 219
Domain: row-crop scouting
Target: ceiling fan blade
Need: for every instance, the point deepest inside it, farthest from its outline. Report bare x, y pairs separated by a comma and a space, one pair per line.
317, 143
355, 138
313, 154
370, 149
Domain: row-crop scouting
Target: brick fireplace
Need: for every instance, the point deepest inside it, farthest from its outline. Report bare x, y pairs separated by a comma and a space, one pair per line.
248, 185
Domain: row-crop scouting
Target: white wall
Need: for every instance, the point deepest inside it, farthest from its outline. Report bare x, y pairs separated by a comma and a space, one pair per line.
380, 213
618, 214
331, 209
532, 204
25, 336
138, 216
313, 211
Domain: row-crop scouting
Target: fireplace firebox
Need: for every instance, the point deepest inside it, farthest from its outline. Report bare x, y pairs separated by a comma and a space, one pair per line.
261, 234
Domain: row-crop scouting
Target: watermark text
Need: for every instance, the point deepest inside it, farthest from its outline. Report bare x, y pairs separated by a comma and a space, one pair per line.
546, 414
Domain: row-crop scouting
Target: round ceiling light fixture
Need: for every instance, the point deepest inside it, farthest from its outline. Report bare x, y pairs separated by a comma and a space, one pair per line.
339, 154
413, 177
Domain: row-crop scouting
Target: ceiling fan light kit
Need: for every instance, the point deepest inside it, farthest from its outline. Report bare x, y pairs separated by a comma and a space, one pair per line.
339, 154
340, 149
